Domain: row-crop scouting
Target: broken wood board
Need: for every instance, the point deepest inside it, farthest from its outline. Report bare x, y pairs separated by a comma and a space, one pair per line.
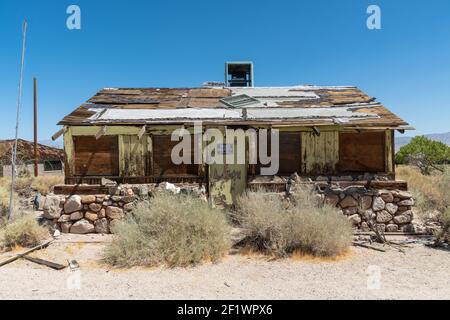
47, 263
18, 256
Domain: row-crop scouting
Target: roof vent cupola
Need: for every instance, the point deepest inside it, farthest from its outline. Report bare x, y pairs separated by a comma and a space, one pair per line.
239, 74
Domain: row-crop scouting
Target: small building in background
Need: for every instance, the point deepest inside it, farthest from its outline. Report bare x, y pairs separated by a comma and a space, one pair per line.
50, 159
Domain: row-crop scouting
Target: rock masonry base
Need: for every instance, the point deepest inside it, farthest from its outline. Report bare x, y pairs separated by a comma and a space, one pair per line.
389, 210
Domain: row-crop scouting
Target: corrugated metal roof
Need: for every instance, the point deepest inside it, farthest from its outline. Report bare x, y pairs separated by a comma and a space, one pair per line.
295, 104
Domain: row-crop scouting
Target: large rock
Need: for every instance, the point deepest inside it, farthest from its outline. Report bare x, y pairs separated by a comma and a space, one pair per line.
383, 216
95, 207
407, 202
405, 217
391, 208
402, 209
102, 213
64, 218
402, 194
350, 211
101, 226
82, 227
114, 212
51, 207
87, 199
91, 216
76, 215
378, 204
73, 204
365, 202
355, 219
391, 228
348, 201
387, 197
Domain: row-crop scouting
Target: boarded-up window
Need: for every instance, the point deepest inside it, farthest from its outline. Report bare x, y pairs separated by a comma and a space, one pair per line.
96, 157
362, 152
162, 162
289, 153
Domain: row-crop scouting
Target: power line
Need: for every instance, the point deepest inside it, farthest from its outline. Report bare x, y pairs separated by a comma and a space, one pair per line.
19, 104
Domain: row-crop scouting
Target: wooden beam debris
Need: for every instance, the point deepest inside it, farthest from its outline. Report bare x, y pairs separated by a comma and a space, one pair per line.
142, 132
359, 244
101, 132
59, 133
316, 131
43, 262
21, 255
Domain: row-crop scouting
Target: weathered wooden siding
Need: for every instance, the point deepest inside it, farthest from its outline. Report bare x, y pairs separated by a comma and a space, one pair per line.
96, 157
133, 154
319, 154
363, 151
390, 151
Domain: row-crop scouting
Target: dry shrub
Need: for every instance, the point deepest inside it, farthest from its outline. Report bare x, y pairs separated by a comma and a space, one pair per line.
22, 231
443, 235
45, 184
5, 198
307, 226
430, 191
174, 230
25, 186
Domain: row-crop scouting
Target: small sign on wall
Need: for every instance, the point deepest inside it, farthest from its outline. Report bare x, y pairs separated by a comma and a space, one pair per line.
224, 149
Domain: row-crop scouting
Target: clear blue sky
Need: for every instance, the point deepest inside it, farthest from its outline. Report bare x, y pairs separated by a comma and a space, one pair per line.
406, 65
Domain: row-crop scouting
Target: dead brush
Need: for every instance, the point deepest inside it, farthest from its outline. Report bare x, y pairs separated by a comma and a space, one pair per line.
305, 225
22, 231
172, 230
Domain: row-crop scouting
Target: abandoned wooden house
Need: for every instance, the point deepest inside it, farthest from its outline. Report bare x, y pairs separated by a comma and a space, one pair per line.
125, 134
336, 136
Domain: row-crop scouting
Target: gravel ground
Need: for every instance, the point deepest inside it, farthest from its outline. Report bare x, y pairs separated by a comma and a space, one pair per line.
419, 273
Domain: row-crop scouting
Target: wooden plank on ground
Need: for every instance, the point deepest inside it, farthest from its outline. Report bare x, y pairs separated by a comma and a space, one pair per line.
43, 262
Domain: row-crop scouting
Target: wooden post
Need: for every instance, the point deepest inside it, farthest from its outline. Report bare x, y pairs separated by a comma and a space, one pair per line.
36, 171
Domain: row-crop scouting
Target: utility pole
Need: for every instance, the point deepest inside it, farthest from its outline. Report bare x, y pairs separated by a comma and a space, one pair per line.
19, 103
36, 171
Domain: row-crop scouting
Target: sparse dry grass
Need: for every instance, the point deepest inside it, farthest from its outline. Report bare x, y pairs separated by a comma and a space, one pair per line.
23, 231
431, 191
307, 226
173, 230
25, 185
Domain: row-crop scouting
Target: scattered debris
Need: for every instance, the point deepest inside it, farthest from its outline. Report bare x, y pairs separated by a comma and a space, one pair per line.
49, 264
360, 244
21, 255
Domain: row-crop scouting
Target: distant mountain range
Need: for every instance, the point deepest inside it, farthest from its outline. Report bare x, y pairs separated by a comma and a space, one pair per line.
443, 137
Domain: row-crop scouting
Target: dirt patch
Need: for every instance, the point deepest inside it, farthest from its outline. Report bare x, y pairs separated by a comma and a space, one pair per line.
419, 273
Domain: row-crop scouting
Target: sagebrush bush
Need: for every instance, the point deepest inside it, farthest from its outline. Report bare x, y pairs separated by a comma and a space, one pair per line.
22, 231
307, 226
172, 230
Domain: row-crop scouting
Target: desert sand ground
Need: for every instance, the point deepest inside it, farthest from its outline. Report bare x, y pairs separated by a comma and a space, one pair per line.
419, 273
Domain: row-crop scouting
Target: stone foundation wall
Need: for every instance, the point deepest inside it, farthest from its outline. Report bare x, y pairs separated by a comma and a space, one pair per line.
83, 214
389, 210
